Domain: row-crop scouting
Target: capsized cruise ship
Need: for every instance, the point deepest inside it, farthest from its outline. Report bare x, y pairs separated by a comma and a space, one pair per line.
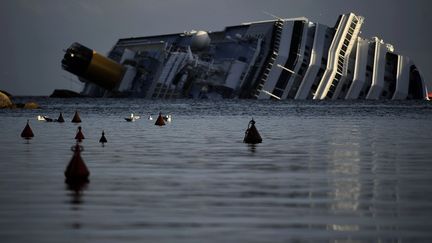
274, 59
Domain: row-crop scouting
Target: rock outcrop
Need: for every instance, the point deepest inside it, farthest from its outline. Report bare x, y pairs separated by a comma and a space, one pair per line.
5, 102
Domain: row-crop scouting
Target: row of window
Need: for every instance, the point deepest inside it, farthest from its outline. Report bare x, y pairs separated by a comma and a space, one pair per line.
341, 58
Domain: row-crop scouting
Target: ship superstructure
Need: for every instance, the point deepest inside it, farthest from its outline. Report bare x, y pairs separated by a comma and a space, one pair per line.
274, 59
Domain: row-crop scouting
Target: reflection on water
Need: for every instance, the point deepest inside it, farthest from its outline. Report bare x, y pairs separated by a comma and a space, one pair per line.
252, 147
345, 168
343, 228
326, 171
76, 192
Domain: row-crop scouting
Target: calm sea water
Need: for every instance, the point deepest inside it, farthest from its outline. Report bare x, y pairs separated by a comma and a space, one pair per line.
325, 172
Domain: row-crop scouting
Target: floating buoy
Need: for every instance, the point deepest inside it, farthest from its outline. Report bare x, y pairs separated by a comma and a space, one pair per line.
103, 139
27, 132
76, 171
76, 118
160, 121
252, 135
79, 136
60, 118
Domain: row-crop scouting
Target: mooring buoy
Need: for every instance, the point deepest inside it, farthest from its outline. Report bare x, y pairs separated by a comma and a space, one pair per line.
60, 118
77, 171
252, 135
76, 118
160, 121
27, 132
79, 136
103, 139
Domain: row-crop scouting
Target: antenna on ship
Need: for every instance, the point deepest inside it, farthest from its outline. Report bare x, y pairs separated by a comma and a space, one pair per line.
72, 81
289, 70
274, 16
272, 95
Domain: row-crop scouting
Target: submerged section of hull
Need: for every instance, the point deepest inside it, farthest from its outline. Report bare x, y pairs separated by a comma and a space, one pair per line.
274, 59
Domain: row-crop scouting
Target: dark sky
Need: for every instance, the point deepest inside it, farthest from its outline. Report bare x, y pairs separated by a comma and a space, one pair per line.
35, 32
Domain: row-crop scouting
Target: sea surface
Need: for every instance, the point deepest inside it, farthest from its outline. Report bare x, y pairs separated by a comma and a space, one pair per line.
326, 172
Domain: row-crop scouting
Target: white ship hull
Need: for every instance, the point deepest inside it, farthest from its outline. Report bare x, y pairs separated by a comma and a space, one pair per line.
275, 59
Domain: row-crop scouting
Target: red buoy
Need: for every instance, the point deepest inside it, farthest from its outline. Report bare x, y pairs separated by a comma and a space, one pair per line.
160, 121
60, 118
103, 139
77, 171
76, 118
79, 136
27, 132
252, 135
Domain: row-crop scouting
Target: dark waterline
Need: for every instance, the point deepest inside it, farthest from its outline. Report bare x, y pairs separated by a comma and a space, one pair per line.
326, 171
